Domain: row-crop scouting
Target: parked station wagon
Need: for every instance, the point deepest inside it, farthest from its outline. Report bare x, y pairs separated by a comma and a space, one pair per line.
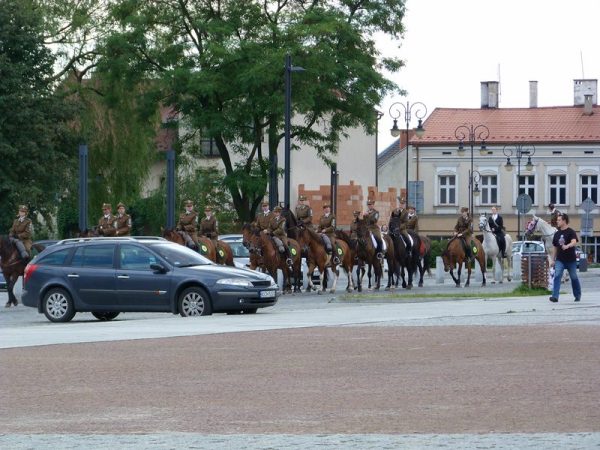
106, 276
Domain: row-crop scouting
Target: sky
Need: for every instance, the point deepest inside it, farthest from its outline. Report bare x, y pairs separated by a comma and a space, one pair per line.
450, 46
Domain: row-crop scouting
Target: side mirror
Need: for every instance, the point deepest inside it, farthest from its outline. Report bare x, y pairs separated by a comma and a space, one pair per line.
158, 268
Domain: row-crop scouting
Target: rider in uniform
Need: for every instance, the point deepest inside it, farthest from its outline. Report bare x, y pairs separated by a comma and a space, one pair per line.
209, 226
463, 230
401, 215
496, 224
553, 215
122, 222
304, 213
263, 219
372, 216
187, 225
21, 231
412, 220
327, 230
354, 229
106, 223
278, 232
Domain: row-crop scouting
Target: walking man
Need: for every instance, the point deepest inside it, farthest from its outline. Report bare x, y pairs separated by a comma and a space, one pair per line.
564, 242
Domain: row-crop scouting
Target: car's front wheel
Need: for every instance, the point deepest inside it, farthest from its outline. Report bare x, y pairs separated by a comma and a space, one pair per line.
58, 305
105, 316
194, 301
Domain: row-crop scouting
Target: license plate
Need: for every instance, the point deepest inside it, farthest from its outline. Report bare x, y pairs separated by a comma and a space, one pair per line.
267, 294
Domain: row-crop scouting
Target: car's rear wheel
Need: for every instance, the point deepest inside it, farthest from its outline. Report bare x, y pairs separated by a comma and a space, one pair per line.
194, 301
58, 305
105, 316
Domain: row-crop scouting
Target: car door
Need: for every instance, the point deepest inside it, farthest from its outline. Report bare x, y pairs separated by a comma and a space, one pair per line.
92, 276
139, 288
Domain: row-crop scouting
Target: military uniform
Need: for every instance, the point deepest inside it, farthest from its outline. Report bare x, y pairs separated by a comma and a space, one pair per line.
188, 222
122, 223
277, 229
304, 214
106, 223
209, 227
263, 219
463, 226
22, 231
327, 228
412, 223
372, 217
402, 217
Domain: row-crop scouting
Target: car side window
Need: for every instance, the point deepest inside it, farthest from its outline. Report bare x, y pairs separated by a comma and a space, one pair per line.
100, 256
132, 257
55, 259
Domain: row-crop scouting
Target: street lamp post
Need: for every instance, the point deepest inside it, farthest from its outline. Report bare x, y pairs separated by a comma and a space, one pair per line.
472, 134
288, 117
519, 151
396, 111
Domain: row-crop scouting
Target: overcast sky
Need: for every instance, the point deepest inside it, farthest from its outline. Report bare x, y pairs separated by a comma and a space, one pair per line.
450, 46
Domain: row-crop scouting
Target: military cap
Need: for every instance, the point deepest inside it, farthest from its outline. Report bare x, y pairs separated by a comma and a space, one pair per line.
401, 199
265, 203
106, 206
370, 202
189, 203
207, 208
356, 212
410, 207
326, 205
277, 209
302, 198
23, 208
464, 209
121, 205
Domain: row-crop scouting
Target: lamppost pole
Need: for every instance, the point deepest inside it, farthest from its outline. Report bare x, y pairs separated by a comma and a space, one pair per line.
471, 133
519, 150
396, 111
287, 131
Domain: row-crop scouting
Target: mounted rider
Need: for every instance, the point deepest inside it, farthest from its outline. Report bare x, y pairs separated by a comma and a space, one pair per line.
354, 229
400, 216
263, 219
326, 229
304, 213
412, 220
496, 224
278, 233
371, 217
209, 226
554, 213
122, 221
464, 229
21, 232
188, 224
106, 223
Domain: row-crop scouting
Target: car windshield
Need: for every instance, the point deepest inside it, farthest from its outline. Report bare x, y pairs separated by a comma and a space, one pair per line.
180, 256
238, 250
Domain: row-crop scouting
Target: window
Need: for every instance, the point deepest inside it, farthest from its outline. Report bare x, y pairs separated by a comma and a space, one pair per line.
447, 189
589, 187
208, 147
100, 256
489, 189
527, 186
132, 257
558, 189
57, 258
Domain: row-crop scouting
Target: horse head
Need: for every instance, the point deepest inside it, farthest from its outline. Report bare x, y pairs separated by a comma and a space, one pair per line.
531, 226
483, 223
446, 259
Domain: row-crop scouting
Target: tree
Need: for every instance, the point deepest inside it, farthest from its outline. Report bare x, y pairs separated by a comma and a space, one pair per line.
36, 146
220, 64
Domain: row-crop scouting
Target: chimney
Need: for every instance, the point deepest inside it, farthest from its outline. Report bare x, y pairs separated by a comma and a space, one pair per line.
489, 94
533, 97
583, 88
587, 105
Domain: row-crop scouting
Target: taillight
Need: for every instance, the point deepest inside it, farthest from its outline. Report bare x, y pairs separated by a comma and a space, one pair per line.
29, 269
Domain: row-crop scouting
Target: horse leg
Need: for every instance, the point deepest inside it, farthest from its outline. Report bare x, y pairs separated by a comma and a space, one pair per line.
421, 272
482, 265
10, 284
335, 275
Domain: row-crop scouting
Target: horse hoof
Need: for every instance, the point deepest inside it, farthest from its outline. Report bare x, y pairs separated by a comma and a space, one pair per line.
420, 284
457, 284
409, 286
320, 293
349, 290
332, 291
8, 304
387, 288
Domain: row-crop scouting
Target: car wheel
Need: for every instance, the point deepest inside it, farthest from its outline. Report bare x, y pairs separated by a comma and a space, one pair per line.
58, 305
105, 316
194, 301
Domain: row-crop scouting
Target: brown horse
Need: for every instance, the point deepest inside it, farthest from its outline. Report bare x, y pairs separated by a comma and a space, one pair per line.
220, 255
12, 266
455, 254
318, 258
263, 251
366, 251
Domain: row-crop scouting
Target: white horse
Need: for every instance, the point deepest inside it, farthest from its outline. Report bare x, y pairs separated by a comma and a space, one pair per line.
537, 225
490, 246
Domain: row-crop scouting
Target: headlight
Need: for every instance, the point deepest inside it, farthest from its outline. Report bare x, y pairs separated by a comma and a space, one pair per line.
235, 282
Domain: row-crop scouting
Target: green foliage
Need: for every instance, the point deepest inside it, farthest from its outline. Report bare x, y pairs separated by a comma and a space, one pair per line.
437, 248
223, 69
36, 146
524, 290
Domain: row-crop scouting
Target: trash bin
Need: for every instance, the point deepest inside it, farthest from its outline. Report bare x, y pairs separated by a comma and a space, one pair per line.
534, 269
583, 263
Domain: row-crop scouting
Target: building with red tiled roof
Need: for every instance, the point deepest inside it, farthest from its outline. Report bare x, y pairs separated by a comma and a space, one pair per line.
563, 143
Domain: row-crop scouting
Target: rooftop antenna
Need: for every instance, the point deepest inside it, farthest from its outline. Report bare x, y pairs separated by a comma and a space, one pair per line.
581, 57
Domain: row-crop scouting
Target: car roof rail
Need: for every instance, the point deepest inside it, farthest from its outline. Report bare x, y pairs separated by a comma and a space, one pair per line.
108, 238
149, 238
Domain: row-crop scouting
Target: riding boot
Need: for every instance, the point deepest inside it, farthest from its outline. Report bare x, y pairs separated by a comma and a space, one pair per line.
379, 249
288, 257
328, 260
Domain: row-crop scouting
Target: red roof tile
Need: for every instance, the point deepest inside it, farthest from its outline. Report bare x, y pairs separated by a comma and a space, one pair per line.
564, 124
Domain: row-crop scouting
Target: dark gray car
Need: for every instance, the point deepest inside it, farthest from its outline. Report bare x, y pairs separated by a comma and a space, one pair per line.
106, 276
